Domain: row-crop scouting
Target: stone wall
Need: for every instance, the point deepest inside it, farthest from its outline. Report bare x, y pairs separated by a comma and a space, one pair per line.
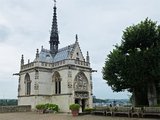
6, 109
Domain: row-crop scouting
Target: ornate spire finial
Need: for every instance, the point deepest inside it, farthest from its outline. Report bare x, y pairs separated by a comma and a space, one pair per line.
87, 57
22, 60
76, 38
37, 54
22, 56
55, 2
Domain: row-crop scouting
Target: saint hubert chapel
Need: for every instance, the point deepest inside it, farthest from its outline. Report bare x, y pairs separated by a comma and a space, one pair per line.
60, 76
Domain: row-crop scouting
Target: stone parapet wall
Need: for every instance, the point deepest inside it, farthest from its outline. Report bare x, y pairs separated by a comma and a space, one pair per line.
55, 64
7, 109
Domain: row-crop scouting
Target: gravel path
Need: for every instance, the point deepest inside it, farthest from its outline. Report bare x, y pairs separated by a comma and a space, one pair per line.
37, 116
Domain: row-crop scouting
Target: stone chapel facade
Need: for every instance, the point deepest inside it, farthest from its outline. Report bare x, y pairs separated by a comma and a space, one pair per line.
60, 76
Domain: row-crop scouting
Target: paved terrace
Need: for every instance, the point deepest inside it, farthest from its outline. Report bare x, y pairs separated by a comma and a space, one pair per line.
37, 116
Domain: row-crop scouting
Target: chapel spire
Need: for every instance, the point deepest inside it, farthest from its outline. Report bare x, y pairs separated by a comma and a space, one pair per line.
54, 38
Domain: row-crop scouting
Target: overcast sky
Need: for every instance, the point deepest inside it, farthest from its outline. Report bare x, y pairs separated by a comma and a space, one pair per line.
25, 26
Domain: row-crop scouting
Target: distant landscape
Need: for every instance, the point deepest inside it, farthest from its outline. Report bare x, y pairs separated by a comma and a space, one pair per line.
8, 102
111, 102
96, 101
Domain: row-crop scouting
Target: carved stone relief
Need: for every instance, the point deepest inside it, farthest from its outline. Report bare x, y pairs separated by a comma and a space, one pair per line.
70, 74
81, 83
81, 95
36, 86
69, 84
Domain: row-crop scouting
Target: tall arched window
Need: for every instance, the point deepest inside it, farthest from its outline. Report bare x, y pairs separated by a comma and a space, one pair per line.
57, 81
27, 84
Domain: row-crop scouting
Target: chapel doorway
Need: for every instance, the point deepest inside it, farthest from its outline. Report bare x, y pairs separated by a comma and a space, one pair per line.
77, 101
82, 103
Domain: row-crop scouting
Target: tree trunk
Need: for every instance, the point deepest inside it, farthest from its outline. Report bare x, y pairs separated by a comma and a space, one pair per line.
152, 94
158, 91
140, 97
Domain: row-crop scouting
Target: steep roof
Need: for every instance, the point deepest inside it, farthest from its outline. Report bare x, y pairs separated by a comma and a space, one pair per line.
62, 54
45, 56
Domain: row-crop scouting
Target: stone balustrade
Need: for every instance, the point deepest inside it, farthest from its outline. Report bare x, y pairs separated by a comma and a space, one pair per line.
7, 109
121, 111
150, 111
56, 64
129, 111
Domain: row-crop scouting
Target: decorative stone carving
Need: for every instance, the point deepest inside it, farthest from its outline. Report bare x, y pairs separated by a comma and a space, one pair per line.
69, 85
36, 86
81, 83
70, 74
81, 95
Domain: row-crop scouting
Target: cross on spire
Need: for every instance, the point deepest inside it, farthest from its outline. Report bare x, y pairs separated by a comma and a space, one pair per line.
54, 2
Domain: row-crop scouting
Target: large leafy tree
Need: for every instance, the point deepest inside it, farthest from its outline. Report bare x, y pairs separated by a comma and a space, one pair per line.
135, 64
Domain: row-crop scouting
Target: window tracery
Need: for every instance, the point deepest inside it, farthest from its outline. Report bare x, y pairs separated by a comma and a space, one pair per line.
57, 80
27, 84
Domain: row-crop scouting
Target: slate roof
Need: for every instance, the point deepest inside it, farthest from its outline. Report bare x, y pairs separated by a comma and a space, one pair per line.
45, 56
63, 53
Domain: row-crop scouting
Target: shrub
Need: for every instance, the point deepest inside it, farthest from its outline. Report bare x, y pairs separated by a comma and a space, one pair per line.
74, 107
53, 107
47, 106
40, 107
89, 110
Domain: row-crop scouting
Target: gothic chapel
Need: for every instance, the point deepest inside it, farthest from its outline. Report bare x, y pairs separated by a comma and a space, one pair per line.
59, 76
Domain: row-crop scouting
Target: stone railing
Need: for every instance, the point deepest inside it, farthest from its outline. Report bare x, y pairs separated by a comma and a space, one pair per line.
128, 111
56, 64
7, 109
102, 111
121, 111
150, 111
